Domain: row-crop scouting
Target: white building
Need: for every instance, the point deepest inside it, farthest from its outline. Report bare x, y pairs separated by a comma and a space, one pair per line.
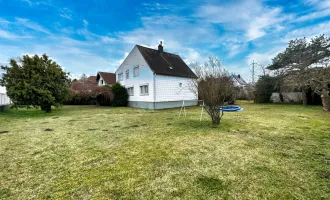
105, 78
156, 79
4, 100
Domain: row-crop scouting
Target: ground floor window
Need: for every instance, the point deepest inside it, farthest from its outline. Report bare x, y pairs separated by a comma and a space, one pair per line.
130, 91
144, 89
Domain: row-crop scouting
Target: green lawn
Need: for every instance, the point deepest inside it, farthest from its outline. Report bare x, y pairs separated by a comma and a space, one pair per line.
87, 152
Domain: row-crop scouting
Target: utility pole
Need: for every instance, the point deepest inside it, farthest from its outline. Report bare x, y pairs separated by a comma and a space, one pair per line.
253, 63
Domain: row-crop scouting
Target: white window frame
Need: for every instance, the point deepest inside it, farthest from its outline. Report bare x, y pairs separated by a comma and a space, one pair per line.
127, 74
130, 91
120, 76
142, 89
138, 71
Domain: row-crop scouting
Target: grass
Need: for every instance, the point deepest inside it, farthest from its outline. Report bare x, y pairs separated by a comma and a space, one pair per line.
86, 152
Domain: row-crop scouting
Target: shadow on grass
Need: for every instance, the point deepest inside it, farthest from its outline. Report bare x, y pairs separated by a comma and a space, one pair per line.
22, 113
213, 185
204, 125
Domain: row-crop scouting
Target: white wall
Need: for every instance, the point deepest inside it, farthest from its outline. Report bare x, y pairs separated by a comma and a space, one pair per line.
168, 88
288, 97
2, 90
145, 76
100, 81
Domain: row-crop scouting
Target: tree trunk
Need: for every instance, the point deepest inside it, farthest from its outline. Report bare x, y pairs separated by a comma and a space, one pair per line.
281, 97
304, 96
325, 99
47, 108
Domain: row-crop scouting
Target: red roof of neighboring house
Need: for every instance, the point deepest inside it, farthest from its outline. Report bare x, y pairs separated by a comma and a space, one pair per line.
88, 84
109, 78
92, 78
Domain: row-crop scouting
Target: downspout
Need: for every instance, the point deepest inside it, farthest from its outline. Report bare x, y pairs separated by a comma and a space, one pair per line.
154, 77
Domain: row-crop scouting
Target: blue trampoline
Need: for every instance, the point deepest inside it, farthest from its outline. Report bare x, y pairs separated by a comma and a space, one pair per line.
230, 108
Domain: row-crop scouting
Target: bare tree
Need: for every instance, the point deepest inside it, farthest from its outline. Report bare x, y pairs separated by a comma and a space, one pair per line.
320, 82
215, 86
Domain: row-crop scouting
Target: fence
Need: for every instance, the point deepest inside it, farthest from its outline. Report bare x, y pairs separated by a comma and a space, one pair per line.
4, 99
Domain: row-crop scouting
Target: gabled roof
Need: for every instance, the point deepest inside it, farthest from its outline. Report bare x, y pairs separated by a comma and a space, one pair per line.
240, 80
164, 63
109, 78
92, 78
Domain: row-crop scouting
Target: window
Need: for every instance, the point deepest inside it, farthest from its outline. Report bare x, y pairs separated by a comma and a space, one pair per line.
127, 74
130, 91
144, 89
136, 71
180, 84
101, 82
120, 76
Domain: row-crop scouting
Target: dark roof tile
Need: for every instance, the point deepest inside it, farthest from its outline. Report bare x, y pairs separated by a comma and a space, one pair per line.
164, 63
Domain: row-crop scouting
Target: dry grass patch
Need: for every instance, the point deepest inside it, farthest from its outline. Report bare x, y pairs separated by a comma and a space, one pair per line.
264, 152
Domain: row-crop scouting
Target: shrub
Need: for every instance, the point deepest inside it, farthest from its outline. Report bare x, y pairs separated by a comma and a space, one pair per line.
264, 89
120, 95
101, 96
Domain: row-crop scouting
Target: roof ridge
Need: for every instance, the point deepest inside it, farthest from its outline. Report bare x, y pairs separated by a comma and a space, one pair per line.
156, 50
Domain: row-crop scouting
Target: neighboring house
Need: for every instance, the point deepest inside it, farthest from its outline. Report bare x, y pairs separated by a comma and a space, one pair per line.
156, 79
4, 99
105, 78
239, 81
84, 85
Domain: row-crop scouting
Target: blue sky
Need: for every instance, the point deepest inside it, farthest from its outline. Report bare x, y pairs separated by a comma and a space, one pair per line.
96, 35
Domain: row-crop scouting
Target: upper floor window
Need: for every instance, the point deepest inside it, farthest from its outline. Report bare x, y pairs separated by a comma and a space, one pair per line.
136, 71
127, 74
144, 89
120, 76
102, 82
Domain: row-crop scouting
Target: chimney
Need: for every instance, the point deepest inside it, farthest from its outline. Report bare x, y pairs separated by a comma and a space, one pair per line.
160, 47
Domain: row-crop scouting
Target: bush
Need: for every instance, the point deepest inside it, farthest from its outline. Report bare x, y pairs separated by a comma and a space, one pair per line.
120, 95
264, 89
79, 98
101, 96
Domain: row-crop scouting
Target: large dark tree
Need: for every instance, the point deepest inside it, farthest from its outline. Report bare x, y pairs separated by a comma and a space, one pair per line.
299, 57
35, 81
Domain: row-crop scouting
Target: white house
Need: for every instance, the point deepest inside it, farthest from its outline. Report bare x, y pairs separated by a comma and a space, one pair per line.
239, 81
156, 79
105, 78
4, 100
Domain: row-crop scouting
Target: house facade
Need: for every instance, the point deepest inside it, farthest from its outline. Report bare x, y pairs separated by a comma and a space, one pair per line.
105, 78
156, 79
4, 99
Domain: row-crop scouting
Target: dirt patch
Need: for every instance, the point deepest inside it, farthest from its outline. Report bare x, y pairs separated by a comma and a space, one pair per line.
168, 124
304, 127
294, 138
2, 132
323, 174
303, 117
48, 129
